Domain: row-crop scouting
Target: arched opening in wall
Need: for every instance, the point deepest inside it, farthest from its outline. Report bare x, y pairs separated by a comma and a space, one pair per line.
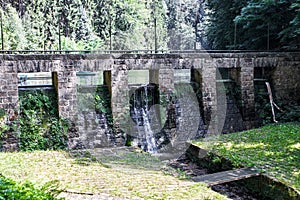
261, 95
143, 95
229, 99
182, 76
183, 91
94, 119
39, 118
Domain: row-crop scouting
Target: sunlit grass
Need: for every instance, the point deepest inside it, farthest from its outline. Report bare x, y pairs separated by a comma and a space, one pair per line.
275, 149
117, 178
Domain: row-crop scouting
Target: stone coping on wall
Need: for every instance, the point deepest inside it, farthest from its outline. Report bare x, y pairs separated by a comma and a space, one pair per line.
90, 56
96, 62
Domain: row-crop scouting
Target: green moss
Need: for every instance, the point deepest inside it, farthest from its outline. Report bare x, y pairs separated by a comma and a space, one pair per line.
273, 149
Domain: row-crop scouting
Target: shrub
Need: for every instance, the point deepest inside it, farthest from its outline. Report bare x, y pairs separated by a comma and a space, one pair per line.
40, 126
10, 189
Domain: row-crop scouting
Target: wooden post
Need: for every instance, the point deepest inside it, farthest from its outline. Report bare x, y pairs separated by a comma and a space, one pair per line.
272, 102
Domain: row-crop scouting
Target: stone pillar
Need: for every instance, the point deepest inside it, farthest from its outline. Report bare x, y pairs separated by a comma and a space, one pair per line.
67, 93
9, 107
166, 79
9, 89
162, 77
209, 93
120, 101
67, 102
247, 91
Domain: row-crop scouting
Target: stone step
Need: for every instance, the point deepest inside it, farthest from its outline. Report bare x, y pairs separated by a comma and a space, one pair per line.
227, 176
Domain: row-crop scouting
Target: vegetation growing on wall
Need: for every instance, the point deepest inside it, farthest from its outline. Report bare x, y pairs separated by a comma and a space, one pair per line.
287, 113
2, 121
103, 103
40, 126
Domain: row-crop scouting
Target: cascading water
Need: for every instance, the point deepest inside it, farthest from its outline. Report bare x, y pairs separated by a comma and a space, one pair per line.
140, 114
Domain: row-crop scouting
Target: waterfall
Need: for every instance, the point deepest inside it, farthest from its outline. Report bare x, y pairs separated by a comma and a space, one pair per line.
141, 115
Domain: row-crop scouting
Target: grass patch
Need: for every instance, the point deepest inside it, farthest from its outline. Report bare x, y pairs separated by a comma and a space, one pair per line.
275, 149
116, 178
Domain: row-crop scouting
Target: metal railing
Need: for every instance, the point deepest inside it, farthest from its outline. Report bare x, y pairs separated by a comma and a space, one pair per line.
14, 52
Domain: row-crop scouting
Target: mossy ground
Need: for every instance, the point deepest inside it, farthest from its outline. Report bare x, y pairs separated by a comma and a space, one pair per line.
274, 149
133, 175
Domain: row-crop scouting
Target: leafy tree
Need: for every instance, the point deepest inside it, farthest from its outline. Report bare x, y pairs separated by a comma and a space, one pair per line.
41, 24
221, 28
124, 24
79, 24
103, 18
253, 24
183, 19
266, 24
100, 24
290, 36
13, 31
151, 30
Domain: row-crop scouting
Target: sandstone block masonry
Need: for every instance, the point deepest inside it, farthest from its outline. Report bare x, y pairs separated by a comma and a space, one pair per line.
9, 102
285, 77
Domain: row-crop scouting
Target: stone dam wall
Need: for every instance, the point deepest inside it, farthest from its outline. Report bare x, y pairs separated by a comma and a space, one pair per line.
205, 104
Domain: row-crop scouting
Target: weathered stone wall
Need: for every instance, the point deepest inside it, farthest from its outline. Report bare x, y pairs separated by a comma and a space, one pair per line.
120, 99
93, 126
9, 89
9, 102
209, 95
286, 81
247, 92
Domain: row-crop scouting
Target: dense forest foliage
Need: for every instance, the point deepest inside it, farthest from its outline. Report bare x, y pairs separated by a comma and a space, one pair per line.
254, 24
82, 24
150, 24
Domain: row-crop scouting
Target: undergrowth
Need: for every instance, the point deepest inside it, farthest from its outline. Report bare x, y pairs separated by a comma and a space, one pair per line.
40, 126
285, 113
10, 189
